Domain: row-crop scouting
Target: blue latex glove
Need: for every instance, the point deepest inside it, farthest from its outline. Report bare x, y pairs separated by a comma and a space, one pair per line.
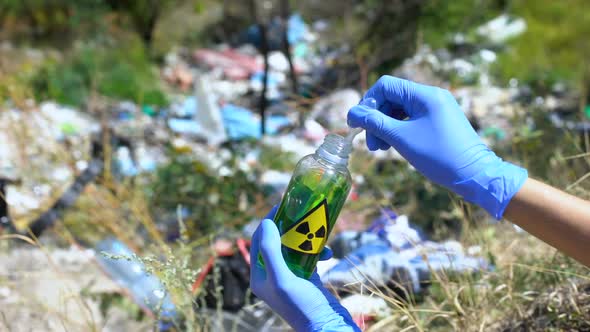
305, 304
438, 140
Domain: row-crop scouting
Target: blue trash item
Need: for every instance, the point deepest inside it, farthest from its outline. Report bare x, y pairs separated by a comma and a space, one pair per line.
272, 91
130, 273
392, 251
185, 126
147, 158
347, 241
124, 163
147, 164
240, 123
452, 262
125, 116
187, 109
396, 230
400, 234
387, 228
374, 264
149, 110
297, 31
258, 77
380, 222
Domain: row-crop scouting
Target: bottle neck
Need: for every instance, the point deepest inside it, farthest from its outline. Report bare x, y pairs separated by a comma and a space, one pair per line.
335, 150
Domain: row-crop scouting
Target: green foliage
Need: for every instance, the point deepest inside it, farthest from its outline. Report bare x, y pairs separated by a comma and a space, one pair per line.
389, 32
199, 7
65, 84
56, 20
543, 150
276, 159
63, 21
214, 201
177, 272
439, 18
268, 157
143, 15
554, 47
14, 87
123, 73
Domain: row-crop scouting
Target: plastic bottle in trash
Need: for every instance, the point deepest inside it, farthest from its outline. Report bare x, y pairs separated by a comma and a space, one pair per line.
316, 193
146, 289
312, 202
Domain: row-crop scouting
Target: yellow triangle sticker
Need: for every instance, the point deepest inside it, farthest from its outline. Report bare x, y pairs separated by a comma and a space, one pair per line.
310, 232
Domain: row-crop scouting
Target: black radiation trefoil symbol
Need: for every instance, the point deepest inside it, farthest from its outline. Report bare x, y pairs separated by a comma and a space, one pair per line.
303, 228
310, 232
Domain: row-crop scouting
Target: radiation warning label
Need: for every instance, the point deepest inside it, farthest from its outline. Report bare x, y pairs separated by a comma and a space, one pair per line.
310, 232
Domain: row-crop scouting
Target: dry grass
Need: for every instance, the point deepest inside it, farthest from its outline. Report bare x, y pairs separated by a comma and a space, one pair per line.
512, 296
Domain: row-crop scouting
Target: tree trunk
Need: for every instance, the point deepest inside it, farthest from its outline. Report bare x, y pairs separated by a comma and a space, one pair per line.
583, 101
3, 205
286, 48
263, 101
264, 50
145, 26
363, 72
584, 86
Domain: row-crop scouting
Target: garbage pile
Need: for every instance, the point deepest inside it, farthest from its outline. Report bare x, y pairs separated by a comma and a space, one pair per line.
42, 153
391, 251
220, 100
391, 254
464, 68
227, 81
488, 107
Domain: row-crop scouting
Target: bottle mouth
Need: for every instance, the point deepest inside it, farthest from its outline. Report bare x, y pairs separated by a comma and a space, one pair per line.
335, 148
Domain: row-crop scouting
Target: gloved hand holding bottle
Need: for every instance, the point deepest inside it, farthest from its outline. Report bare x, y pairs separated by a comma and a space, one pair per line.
305, 304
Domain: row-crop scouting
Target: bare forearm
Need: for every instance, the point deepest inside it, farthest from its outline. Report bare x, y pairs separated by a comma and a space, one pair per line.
558, 218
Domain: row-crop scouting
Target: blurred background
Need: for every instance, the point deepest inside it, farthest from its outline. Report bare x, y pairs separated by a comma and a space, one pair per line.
142, 141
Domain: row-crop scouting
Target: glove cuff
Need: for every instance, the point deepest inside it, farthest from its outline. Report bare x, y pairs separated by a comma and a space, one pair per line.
339, 320
494, 187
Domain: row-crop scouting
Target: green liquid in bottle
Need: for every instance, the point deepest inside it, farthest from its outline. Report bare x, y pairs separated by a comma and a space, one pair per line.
305, 193
311, 204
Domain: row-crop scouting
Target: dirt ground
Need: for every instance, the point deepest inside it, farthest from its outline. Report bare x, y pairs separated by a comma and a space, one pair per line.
57, 290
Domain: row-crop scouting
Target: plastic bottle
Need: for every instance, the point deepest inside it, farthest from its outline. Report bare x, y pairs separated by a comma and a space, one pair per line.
312, 202
146, 289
